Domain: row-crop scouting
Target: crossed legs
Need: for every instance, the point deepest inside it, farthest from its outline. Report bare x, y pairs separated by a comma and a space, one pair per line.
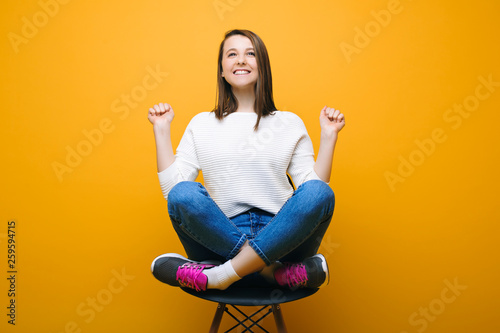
294, 233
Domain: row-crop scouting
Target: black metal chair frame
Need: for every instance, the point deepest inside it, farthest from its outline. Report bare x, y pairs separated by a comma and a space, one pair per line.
267, 299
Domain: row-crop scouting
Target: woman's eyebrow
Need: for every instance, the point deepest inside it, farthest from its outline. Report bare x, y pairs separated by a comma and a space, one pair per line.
234, 49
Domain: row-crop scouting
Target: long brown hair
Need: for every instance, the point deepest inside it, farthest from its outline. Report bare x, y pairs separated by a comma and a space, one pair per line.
226, 103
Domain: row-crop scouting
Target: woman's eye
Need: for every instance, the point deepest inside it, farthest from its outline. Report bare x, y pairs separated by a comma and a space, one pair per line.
232, 54
251, 53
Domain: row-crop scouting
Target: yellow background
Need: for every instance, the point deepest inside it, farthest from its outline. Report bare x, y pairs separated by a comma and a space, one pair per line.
393, 248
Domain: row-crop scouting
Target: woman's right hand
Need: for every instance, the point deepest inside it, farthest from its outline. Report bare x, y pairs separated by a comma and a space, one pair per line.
161, 115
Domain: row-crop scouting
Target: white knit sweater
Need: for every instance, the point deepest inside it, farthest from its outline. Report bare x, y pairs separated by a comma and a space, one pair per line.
243, 168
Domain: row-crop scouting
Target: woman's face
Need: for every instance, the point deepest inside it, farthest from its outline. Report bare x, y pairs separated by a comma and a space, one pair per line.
239, 66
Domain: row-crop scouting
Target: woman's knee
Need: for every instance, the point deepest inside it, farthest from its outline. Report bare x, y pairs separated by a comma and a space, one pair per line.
182, 196
320, 191
182, 192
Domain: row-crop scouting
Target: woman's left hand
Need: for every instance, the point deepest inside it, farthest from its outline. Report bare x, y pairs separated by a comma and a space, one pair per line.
331, 121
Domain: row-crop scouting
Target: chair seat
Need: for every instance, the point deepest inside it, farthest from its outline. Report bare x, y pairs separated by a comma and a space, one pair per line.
252, 296
263, 297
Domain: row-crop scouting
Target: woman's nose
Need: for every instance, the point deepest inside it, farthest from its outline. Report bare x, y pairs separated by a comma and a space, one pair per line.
241, 60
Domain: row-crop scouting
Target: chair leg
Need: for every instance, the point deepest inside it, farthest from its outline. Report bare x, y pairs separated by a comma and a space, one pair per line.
278, 318
217, 318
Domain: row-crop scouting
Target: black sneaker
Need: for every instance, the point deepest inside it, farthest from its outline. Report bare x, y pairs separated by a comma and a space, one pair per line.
310, 273
175, 270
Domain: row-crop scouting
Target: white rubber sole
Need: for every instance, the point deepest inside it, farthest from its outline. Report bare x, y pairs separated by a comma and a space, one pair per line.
324, 265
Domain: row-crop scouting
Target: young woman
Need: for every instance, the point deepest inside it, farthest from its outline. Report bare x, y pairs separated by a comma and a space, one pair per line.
247, 217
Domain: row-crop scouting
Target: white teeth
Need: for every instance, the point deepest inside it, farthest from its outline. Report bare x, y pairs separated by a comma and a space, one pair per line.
241, 72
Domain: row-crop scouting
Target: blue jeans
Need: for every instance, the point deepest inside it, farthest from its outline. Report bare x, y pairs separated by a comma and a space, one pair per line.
292, 235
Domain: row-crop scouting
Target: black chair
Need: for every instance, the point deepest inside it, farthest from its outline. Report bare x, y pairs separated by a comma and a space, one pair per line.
267, 299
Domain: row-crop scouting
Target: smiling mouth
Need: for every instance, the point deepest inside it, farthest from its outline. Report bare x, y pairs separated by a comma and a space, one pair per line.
241, 72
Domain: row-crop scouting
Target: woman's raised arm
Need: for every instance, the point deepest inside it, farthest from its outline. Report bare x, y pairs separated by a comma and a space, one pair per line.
161, 116
331, 122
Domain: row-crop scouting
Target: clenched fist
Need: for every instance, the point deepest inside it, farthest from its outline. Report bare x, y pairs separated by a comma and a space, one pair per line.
161, 114
331, 121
